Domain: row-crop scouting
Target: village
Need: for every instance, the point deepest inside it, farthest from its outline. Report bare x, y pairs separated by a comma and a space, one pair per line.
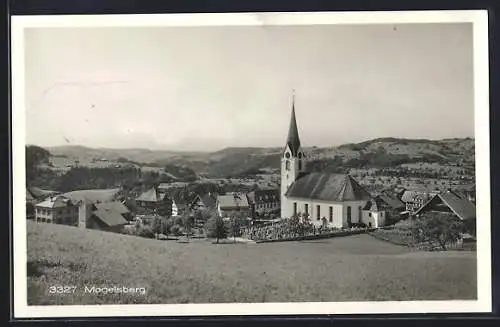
301, 204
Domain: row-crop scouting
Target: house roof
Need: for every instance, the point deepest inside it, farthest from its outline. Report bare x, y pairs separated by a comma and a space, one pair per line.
293, 140
465, 187
374, 204
234, 200
151, 195
166, 186
207, 200
38, 193
55, 202
328, 187
264, 195
463, 208
409, 195
93, 195
110, 217
113, 206
393, 202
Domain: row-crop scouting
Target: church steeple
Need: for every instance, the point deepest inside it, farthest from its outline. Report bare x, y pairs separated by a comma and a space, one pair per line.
293, 140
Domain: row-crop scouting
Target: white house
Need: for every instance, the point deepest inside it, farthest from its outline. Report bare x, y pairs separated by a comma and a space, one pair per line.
374, 214
231, 204
334, 200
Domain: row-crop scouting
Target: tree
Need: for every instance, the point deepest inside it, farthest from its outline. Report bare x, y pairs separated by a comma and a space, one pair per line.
440, 228
156, 225
166, 226
216, 228
187, 223
34, 156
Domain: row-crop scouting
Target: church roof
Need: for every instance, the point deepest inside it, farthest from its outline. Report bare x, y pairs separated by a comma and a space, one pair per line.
328, 187
293, 140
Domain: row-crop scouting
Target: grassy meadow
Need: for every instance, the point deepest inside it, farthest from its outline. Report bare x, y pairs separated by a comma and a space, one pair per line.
353, 268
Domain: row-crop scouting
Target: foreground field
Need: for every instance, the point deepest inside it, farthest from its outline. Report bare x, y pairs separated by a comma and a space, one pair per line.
350, 268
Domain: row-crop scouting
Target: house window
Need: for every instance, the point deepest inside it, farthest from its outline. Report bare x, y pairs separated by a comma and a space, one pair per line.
359, 213
318, 210
331, 214
306, 208
295, 208
349, 215
369, 214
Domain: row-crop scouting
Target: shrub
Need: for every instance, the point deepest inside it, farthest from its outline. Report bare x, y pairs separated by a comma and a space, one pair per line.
176, 230
146, 231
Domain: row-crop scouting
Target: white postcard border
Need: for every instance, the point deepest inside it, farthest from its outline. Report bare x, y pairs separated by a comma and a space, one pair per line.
478, 18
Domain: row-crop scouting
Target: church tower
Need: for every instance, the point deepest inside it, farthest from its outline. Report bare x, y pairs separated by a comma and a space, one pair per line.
292, 160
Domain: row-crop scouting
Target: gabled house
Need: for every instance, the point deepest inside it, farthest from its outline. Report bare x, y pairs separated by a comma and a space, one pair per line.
153, 201
115, 206
202, 202
232, 204
414, 199
57, 210
374, 213
106, 219
450, 202
393, 207
264, 201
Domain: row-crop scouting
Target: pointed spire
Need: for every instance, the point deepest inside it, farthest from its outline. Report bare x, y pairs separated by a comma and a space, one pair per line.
293, 140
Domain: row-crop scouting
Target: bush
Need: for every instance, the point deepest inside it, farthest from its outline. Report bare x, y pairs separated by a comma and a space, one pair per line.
146, 231
176, 230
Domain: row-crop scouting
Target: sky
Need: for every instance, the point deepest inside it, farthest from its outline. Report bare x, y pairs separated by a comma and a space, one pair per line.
207, 88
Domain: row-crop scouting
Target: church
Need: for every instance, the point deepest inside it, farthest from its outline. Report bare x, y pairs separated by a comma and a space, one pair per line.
331, 200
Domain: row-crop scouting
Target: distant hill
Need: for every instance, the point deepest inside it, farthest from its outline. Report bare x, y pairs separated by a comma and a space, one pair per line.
233, 161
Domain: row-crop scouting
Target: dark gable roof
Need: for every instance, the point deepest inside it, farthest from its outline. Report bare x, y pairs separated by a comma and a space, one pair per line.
109, 217
151, 195
375, 204
394, 203
113, 206
328, 187
208, 200
264, 195
463, 208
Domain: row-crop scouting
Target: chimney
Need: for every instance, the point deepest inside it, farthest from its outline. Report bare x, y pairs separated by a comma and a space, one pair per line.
82, 215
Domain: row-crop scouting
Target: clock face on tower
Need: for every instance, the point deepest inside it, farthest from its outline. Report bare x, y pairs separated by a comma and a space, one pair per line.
287, 155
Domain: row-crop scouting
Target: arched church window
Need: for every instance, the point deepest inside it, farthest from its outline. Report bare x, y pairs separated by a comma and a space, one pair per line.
300, 164
300, 155
287, 165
